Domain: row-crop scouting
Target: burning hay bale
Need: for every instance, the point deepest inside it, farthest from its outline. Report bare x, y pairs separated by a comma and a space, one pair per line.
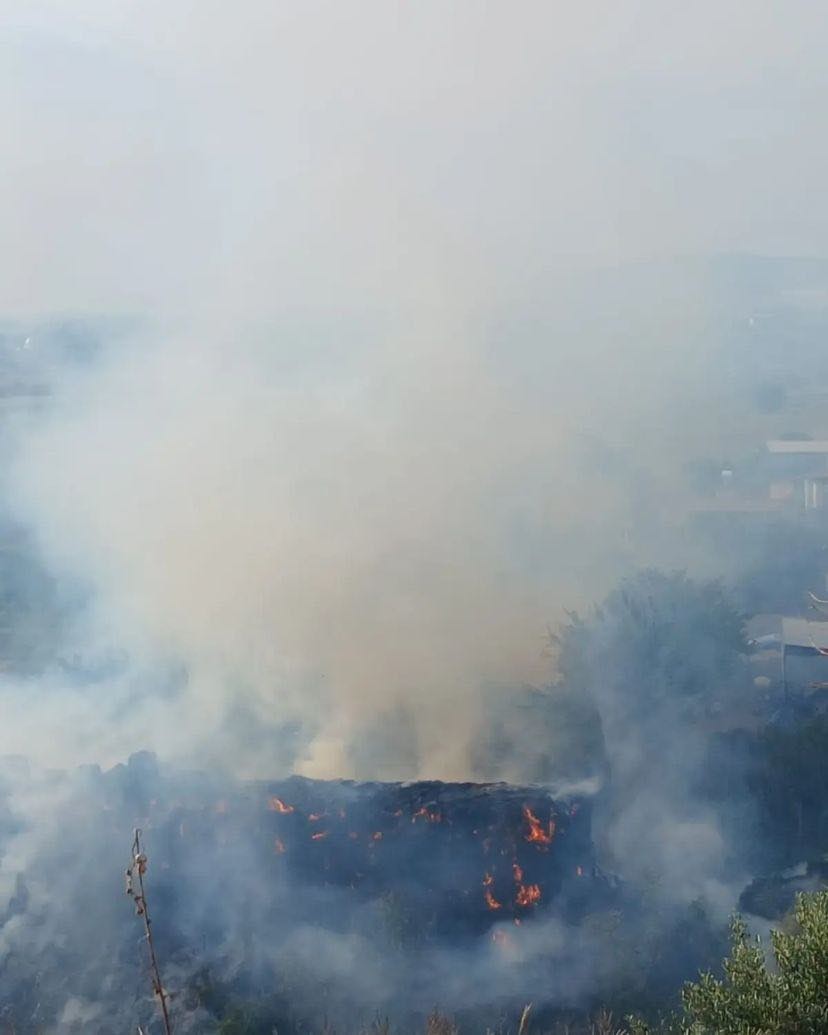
463, 856
363, 890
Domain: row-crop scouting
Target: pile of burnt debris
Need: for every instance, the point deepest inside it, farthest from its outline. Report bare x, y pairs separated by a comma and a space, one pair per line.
463, 856
248, 880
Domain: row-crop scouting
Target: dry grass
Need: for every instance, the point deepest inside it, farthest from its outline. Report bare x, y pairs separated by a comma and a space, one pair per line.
439, 1024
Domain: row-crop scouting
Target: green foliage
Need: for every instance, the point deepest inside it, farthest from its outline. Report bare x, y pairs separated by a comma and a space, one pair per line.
658, 636
645, 955
753, 998
235, 1015
243, 1021
790, 783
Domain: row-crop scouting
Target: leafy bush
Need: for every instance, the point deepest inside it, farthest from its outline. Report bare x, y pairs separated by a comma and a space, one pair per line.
789, 997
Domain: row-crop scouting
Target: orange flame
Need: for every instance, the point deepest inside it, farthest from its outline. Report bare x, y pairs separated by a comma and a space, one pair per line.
579, 871
536, 834
517, 873
277, 805
528, 895
377, 836
318, 837
279, 846
491, 901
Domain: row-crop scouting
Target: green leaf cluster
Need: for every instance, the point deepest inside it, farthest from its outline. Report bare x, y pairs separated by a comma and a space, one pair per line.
787, 995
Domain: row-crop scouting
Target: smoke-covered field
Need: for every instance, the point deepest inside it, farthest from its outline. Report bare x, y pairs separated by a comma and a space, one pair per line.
387, 524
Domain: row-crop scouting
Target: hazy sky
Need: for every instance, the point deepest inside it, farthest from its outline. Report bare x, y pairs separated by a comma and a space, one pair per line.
331, 153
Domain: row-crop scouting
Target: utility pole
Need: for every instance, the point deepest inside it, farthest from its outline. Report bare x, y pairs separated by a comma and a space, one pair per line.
135, 873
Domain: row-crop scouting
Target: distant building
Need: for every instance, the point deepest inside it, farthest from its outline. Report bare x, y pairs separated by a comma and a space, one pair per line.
798, 447
815, 491
804, 654
797, 477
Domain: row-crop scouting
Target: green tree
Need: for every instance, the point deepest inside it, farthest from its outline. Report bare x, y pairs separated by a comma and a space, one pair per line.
660, 636
790, 782
789, 997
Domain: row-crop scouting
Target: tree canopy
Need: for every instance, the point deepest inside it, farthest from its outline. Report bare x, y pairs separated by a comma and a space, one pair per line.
657, 636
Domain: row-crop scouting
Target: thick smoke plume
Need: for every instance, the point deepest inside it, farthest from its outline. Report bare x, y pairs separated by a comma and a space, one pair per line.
355, 344
377, 426
358, 551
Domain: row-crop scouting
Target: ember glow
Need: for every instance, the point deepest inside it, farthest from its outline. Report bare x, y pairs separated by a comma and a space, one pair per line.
424, 813
277, 805
528, 894
491, 901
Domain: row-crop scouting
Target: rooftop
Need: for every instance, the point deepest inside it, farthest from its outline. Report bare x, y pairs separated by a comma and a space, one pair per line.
799, 632
796, 446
